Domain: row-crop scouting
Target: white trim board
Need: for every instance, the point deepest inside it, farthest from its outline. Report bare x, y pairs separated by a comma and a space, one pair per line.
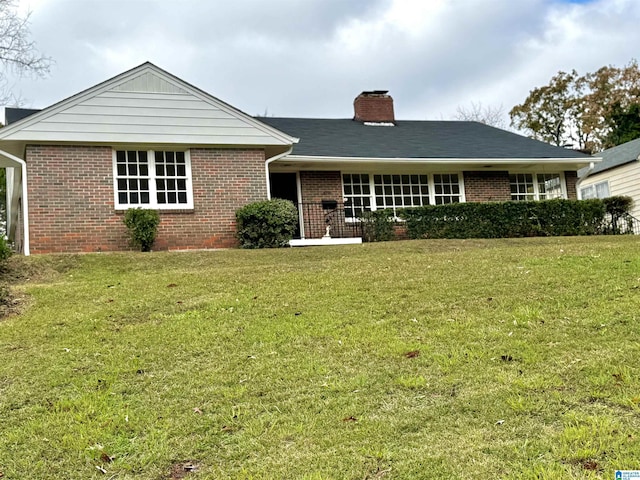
316, 242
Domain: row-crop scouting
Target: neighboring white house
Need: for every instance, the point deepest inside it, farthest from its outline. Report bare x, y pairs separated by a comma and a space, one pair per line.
617, 174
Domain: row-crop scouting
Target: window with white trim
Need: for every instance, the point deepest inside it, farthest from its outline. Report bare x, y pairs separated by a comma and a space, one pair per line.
531, 186
357, 194
549, 186
152, 179
365, 192
400, 191
446, 188
597, 190
522, 186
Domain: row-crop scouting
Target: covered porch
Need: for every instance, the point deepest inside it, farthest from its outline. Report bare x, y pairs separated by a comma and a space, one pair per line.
17, 211
323, 218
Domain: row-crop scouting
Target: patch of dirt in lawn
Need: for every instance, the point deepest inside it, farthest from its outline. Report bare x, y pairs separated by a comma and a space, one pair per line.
12, 301
180, 470
19, 270
38, 269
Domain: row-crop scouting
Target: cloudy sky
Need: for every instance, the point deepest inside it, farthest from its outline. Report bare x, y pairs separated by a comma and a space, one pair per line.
310, 58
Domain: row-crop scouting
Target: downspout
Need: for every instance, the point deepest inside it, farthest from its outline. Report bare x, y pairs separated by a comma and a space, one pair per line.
266, 168
25, 200
584, 177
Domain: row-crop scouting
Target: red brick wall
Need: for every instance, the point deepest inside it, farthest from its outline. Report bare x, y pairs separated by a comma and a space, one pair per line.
487, 186
316, 187
373, 108
494, 186
71, 199
571, 178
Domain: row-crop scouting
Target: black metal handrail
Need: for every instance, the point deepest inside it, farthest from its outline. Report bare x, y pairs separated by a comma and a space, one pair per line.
327, 218
621, 224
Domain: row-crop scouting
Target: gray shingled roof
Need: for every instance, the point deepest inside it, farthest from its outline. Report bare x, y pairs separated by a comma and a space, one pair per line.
12, 115
411, 139
614, 157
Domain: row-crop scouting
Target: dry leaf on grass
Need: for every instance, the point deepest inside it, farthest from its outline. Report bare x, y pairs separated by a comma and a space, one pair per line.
106, 458
590, 465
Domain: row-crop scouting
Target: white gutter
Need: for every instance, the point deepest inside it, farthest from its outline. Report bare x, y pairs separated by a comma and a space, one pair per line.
443, 161
266, 168
25, 200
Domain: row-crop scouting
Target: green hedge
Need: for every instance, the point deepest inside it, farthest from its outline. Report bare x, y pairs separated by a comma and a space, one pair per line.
505, 219
266, 224
377, 226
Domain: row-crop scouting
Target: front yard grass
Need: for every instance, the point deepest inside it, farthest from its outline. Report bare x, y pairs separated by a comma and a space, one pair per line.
484, 359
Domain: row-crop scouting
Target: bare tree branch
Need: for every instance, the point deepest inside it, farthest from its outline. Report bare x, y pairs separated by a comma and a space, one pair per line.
494, 116
18, 53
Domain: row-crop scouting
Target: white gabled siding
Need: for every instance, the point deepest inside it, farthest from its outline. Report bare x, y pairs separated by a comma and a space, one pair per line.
145, 105
148, 82
116, 116
624, 180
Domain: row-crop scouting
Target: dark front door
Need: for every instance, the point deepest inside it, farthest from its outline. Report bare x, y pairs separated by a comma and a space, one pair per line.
285, 185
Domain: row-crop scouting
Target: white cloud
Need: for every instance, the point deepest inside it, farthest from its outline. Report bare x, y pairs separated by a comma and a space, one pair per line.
312, 57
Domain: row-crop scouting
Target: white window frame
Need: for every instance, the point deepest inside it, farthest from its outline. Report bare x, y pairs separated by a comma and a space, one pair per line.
536, 185
594, 188
358, 208
432, 188
430, 184
153, 198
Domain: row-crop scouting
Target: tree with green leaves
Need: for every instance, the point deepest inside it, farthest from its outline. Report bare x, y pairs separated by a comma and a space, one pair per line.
546, 112
625, 125
588, 112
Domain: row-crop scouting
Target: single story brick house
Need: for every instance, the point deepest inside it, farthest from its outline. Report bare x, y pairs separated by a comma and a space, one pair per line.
146, 138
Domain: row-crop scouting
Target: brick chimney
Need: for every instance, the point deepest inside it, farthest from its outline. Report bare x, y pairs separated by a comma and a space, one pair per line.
375, 106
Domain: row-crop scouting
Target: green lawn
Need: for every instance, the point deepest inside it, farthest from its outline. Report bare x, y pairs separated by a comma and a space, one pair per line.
476, 359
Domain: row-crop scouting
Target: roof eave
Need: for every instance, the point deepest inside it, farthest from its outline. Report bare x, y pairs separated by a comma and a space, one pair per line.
576, 161
611, 167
